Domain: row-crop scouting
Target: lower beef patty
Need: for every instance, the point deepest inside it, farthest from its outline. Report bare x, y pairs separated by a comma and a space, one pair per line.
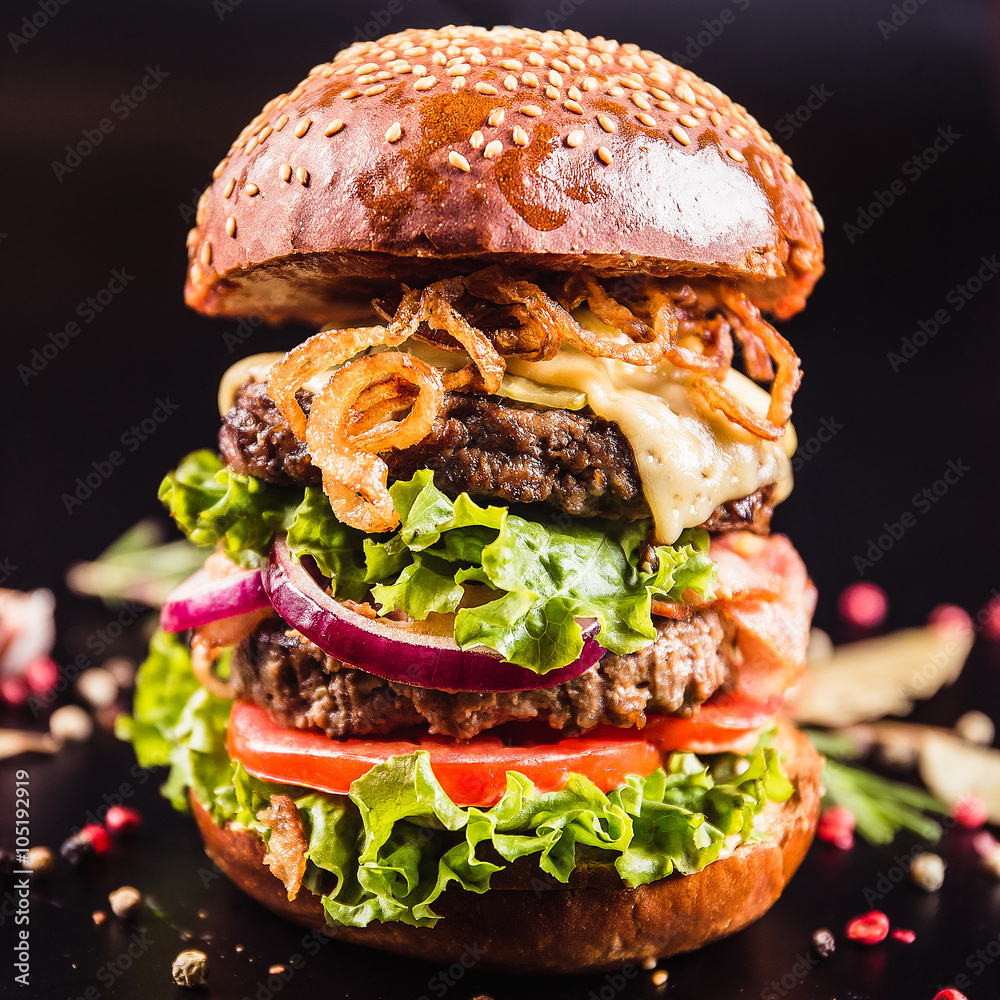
488, 447
303, 687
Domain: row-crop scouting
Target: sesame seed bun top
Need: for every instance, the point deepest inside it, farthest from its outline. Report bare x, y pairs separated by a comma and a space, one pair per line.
431, 152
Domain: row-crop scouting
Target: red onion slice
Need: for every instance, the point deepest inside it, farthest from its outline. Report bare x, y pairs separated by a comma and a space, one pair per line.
388, 651
203, 598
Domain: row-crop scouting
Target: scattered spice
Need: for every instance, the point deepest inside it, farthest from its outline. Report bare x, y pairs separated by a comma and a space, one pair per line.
863, 605
125, 901
659, 977
202, 913
927, 871
98, 687
904, 935
98, 916
42, 674
70, 724
77, 850
950, 994
190, 968
836, 826
976, 727
970, 812
122, 821
39, 860
824, 942
98, 836
649, 963
869, 928
275, 970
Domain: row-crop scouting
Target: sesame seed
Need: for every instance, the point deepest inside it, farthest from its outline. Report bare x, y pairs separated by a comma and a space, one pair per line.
520, 136
416, 50
281, 123
531, 110
560, 65
231, 226
206, 253
640, 101
647, 120
425, 83
367, 68
685, 93
616, 91
705, 102
510, 82
573, 106
229, 187
383, 75
485, 88
555, 79
511, 63
302, 176
249, 147
668, 105
302, 127
606, 123
460, 70
439, 58
574, 93
604, 154
196, 274
767, 170
659, 94
493, 148
575, 137
285, 171
457, 160
219, 167
495, 118
349, 95
736, 155
477, 59
535, 59
377, 89
250, 189
575, 62
552, 93
590, 83
457, 82
476, 139
394, 132
529, 79
419, 70
688, 120
264, 135
680, 135
334, 127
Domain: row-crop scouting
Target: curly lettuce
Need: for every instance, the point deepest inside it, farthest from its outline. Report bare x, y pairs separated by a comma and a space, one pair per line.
540, 571
389, 849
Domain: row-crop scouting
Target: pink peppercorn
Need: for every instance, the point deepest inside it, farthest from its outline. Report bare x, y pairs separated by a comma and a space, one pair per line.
950, 994
122, 821
98, 837
14, 690
950, 617
863, 605
869, 928
984, 843
42, 674
836, 826
970, 812
904, 935
990, 618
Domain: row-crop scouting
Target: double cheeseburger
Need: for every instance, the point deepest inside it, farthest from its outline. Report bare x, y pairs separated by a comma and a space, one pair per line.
493, 638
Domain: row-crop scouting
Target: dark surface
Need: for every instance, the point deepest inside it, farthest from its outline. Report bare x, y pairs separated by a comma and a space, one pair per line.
874, 437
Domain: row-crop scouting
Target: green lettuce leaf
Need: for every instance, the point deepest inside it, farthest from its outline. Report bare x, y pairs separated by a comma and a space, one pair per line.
389, 849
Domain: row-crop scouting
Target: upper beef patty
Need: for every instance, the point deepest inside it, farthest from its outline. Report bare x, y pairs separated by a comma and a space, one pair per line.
488, 447
303, 687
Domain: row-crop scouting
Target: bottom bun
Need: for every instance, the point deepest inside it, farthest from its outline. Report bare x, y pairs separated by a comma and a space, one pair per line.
531, 923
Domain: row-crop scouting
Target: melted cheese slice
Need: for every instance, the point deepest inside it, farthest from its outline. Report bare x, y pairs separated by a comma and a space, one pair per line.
689, 458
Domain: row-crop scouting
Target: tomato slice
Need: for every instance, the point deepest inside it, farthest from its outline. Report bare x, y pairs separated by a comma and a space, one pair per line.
726, 722
472, 772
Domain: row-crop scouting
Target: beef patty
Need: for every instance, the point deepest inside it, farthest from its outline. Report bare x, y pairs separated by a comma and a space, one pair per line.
302, 687
488, 447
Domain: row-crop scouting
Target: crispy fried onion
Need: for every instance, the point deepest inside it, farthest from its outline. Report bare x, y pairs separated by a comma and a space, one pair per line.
355, 416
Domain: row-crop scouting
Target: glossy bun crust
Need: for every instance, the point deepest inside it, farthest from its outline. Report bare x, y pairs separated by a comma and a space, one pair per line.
434, 152
527, 923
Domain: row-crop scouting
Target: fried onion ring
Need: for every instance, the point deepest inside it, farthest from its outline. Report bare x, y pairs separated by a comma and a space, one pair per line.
353, 418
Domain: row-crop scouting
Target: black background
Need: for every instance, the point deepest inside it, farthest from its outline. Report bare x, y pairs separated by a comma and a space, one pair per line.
887, 84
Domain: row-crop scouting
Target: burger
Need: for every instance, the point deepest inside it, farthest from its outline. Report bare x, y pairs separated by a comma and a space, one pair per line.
493, 635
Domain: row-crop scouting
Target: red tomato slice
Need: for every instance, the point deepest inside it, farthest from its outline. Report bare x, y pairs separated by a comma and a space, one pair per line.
472, 772
726, 722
